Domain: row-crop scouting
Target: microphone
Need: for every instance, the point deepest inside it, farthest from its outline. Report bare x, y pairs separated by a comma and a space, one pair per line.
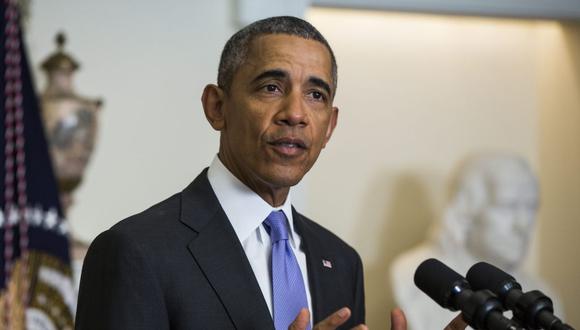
534, 309
481, 309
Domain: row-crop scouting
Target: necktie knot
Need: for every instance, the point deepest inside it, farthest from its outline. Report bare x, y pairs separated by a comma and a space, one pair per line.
275, 225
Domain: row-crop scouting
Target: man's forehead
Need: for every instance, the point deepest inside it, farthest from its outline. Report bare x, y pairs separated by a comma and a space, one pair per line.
275, 41
272, 50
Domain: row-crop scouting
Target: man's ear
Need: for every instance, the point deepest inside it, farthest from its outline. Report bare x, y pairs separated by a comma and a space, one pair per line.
212, 101
331, 125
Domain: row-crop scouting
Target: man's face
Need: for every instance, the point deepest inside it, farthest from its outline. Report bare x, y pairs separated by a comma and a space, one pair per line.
502, 230
278, 112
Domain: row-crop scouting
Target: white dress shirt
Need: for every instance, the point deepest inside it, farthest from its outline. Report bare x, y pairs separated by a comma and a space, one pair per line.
246, 212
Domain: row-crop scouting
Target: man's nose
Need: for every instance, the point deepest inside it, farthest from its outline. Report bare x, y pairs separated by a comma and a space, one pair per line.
293, 111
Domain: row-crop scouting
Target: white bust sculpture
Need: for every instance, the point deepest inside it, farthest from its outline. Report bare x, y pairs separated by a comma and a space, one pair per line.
490, 217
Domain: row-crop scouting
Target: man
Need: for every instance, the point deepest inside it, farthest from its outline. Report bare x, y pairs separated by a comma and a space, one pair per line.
229, 251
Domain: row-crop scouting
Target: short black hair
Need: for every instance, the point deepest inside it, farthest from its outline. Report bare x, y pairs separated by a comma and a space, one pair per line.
236, 48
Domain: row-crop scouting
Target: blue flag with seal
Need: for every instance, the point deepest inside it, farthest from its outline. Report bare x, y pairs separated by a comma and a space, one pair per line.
36, 286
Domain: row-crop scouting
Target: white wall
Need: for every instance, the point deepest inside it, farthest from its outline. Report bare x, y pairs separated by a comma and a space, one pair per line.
149, 60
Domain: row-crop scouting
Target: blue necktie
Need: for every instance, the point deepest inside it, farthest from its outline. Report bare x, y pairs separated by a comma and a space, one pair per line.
287, 283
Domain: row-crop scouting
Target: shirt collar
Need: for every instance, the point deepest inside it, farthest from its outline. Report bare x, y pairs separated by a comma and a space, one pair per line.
245, 209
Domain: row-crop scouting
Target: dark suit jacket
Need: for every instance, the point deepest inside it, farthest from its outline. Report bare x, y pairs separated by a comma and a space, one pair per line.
180, 265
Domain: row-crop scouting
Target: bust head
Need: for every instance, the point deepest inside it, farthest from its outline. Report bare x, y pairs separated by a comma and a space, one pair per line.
493, 208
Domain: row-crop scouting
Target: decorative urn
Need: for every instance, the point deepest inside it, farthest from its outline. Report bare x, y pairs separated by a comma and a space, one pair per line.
70, 121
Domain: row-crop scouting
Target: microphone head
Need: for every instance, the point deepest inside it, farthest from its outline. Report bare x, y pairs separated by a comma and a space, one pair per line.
486, 276
440, 282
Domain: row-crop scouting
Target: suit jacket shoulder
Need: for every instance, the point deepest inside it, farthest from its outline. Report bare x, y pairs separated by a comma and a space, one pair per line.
176, 265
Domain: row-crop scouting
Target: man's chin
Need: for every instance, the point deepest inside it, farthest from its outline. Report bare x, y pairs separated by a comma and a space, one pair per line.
284, 175
281, 179
287, 182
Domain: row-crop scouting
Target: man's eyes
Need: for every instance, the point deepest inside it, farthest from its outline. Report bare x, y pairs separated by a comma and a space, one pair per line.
318, 96
315, 95
271, 88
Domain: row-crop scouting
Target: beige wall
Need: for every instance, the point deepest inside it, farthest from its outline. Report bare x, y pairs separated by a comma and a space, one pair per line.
559, 150
417, 93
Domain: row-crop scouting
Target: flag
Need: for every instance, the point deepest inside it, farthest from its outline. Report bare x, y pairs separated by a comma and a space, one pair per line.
36, 287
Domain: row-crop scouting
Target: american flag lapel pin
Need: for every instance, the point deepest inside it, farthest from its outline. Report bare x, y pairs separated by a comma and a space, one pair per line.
326, 263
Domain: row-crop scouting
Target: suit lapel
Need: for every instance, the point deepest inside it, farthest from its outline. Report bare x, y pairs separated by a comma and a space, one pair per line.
316, 271
219, 254
329, 271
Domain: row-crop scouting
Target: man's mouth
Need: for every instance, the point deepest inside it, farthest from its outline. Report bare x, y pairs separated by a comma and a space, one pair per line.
289, 146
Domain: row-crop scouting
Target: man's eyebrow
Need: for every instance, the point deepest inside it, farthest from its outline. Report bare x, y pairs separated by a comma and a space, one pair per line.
274, 73
320, 83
